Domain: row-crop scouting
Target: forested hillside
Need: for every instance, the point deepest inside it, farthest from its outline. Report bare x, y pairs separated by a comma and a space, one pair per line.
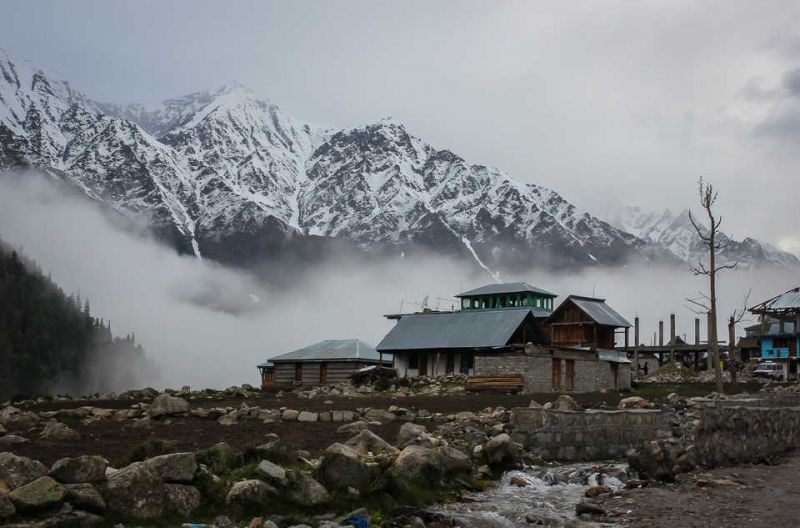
51, 343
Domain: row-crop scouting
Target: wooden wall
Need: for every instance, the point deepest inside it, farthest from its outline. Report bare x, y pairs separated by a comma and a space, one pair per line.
338, 372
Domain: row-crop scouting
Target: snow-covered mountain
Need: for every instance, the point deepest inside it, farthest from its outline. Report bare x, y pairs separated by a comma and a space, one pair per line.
229, 176
675, 233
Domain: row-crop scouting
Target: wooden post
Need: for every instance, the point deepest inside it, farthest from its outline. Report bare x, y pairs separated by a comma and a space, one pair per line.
636, 346
696, 330
661, 339
626, 340
732, 359
672, 337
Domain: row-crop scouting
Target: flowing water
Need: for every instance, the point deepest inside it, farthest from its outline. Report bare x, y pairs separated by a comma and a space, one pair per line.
549, 496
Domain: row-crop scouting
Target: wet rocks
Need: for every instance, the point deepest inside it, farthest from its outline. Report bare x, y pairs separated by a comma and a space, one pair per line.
38, 495
88, 468
596, 491
419, 462
501, 452
166, 405
7, 508
17, 471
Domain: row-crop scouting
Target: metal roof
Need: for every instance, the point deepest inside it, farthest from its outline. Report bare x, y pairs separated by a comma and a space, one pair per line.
330, 350
787, 301
774, 329
506, 287
598, 310
464, 329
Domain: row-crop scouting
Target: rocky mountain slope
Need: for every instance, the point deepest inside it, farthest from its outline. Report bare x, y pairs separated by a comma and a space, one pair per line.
675, 233
226, 175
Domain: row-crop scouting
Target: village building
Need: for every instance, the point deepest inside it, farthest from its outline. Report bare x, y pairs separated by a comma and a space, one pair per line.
327, 362
778, 332
491, 319
511, 332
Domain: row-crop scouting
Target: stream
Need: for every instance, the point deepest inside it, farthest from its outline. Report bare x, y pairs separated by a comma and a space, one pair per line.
548, 499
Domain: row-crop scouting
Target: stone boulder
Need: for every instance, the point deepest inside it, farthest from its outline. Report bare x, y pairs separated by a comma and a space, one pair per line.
565, 402
41, 494
659, 460
7, 508
271, 471
290, 415
379, 415
86, 468
182, 499
250, 494
454, 460
367, 442
307, 417
501, 452
17, 471
308, 491
15, 420
135, 492
634, 402
10, 440
355, 427
417, 462
341, 468
86, 497
174, 467
166, 405
409, 433
54, 430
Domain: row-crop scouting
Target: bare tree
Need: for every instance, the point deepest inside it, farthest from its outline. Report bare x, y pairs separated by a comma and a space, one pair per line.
708, 302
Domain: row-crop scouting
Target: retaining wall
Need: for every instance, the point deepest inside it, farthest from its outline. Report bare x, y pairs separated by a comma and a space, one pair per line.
586, 435
727, 434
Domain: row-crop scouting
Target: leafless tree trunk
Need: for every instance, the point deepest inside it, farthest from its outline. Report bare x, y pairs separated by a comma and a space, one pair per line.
708, 197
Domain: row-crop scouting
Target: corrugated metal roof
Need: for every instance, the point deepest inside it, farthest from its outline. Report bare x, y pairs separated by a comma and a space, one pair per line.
331, 349
612, 356
787, 301
506, 287
598, 310
464, 329
774, 329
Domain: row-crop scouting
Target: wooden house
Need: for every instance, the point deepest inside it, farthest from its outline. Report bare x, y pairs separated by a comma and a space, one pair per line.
778, 331
491, 319
586, 322
327, 362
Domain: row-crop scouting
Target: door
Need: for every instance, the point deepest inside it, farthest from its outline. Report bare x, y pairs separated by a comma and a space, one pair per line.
555, 374
298, 372
423, 364
323, 373
570, 374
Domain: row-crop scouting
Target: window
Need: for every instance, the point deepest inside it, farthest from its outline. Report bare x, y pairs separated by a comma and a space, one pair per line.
413, 360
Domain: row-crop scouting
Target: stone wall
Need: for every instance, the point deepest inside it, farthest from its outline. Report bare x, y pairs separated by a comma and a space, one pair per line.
591, 375
727, 434
586, 435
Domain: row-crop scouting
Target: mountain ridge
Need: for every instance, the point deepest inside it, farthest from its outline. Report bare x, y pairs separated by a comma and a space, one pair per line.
228, 175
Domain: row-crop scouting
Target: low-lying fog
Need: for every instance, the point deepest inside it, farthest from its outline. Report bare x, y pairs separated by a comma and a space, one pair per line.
208, 326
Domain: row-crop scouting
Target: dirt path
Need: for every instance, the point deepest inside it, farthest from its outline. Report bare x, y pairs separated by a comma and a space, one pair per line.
749, 495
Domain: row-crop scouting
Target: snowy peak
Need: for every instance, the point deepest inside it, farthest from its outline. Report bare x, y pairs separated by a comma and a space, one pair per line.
677, 235
226, 174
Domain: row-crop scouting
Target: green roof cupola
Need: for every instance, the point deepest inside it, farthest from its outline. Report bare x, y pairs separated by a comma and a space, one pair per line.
507, 295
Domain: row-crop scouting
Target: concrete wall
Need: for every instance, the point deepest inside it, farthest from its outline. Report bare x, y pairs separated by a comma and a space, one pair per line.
591, 375
586, 435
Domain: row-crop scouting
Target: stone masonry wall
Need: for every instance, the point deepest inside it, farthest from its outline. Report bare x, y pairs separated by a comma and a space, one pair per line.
727, 435
587, 435
590, 375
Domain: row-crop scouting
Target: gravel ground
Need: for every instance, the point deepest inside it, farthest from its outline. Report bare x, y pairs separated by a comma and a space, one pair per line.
746, 495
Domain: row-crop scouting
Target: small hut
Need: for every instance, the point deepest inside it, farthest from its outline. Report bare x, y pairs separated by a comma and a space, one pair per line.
327, 362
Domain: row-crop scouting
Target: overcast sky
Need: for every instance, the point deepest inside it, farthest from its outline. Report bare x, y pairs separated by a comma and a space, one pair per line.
609, 103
